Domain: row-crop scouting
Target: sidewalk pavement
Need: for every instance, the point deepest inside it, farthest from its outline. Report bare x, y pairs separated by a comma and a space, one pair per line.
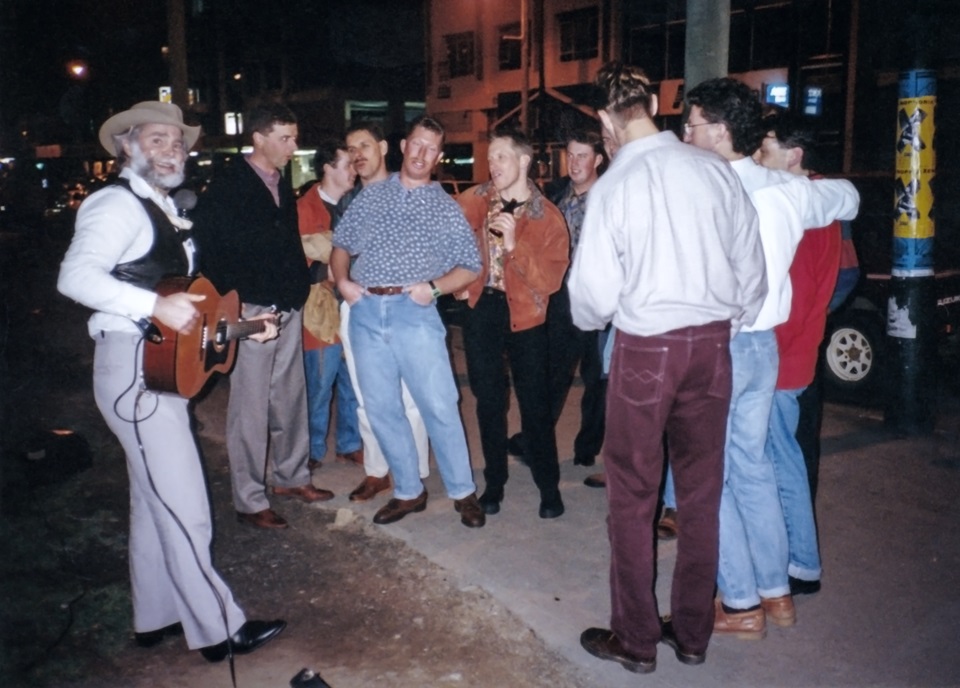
889, 518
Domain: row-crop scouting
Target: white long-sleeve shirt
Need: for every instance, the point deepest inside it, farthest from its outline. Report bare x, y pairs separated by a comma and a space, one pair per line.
788, 204
112, 227
669, 240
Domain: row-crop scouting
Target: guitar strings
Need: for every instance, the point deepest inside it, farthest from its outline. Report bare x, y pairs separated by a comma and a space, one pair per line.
136, 420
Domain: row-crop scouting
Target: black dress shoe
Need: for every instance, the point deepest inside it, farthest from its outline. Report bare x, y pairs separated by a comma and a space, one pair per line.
584, 460
490, 500
803, 587
151, 638
251, 635
606, 645
669, 637
551, 507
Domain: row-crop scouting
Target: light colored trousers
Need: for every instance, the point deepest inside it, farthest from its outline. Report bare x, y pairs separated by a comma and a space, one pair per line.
374, 461
171, 572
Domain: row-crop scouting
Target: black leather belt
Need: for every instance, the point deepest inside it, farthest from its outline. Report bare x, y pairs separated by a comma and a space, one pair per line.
384, 291
494, 292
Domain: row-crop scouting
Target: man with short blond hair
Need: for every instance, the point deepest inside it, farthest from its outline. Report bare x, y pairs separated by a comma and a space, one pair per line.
524, 244
368, 148
412, 245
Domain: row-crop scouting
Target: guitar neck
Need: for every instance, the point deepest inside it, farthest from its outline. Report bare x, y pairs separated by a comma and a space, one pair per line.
244, 328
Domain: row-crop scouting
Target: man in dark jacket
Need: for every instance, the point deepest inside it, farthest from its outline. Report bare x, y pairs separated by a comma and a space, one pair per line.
246, 226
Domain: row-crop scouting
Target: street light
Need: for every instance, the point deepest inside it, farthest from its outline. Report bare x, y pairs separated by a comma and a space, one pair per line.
77, 69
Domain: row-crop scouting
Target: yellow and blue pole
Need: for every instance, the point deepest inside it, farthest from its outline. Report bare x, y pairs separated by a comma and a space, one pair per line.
911, 307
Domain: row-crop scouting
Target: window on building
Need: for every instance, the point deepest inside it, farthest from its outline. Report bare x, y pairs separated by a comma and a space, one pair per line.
579, 34
460, 54
772, 31
647, 50
510, 45
676, 47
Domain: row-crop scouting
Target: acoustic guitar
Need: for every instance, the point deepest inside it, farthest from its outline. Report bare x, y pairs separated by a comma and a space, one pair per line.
182, 363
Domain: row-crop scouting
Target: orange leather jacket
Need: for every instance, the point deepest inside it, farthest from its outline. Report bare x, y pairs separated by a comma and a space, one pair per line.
536, 266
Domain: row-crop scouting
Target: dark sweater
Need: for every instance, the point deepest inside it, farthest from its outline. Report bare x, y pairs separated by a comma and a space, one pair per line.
249, 244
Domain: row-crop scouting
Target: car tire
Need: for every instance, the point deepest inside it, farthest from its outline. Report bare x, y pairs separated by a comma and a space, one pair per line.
853, 355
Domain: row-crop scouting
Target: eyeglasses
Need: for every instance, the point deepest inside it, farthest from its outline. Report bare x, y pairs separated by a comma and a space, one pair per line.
688, 128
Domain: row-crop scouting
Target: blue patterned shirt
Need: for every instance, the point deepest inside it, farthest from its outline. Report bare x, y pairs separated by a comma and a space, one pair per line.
403, 236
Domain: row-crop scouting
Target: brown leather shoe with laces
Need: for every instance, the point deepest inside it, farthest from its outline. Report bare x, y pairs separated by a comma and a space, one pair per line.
396, 509
747, 625
471, 513
370, 488
306, 493
267, 519
780, 610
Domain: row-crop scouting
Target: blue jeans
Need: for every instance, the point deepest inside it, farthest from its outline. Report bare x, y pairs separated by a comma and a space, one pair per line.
784, 453
753, 536
393, 339
324, 368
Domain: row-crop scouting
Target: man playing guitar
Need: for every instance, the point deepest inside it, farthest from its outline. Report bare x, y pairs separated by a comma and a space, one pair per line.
128, 236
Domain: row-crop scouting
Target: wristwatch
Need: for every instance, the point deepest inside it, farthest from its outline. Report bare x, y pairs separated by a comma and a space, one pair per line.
435, 290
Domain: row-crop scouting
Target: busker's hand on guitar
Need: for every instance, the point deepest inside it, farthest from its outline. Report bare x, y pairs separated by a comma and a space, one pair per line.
177, 311
271, 331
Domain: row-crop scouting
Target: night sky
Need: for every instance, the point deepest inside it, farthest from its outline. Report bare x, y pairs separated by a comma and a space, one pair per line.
325, 42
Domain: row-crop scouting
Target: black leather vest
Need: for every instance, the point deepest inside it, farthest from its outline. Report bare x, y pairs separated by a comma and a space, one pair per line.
166, 257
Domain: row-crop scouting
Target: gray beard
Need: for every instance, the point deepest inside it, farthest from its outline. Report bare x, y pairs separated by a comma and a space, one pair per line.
143, 168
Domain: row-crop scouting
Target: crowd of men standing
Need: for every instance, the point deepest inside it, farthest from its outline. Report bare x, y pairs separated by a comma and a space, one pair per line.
667, 280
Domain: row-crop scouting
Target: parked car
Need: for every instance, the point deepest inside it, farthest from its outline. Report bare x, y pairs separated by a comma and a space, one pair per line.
855, 350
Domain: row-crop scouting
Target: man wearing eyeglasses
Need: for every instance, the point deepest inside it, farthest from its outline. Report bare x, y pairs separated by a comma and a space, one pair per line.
725, 116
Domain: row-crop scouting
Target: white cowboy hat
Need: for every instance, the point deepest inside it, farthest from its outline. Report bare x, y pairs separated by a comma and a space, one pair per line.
147, 112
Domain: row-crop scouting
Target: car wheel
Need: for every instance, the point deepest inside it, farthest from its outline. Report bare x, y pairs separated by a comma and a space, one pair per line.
852, 354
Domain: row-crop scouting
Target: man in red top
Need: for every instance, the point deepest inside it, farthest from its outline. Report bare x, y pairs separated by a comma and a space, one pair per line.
323, 358
525, 247
790, 145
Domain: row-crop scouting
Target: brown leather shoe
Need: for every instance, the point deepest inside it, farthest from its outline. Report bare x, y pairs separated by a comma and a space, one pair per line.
596, 480
352, 457
370, 488
396, 509
471, 513
307, 493
313, 464
780, 610
267, 519
750, 625
606, 645
667, 527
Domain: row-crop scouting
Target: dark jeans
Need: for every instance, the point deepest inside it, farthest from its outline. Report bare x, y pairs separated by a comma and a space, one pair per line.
486, 338
808, 429
569, 346
678, 382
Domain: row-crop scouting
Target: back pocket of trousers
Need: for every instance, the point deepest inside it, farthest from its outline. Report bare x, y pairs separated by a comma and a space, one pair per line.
640, 374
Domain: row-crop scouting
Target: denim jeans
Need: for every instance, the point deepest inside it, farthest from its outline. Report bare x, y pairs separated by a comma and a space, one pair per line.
753, 537
324, 368
394, 339
784, 453
678, 382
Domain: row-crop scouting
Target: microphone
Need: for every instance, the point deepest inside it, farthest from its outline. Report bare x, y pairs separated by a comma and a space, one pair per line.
185, 200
